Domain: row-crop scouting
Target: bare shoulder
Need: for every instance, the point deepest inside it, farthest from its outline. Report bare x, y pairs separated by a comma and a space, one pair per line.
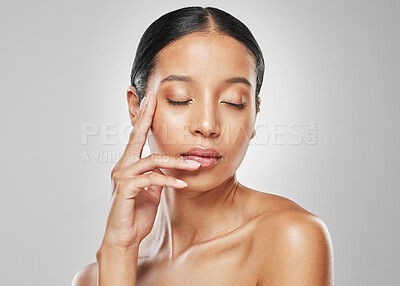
291, 241
86, 276
268, 205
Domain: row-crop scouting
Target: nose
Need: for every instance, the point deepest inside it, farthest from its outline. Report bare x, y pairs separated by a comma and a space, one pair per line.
205, 121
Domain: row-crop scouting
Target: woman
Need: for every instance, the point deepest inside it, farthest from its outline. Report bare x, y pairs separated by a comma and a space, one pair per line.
179, 216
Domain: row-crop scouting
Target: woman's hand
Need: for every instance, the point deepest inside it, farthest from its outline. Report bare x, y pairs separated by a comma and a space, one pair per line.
137, 185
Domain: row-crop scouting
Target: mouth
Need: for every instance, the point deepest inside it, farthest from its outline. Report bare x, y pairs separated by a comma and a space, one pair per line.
206, 156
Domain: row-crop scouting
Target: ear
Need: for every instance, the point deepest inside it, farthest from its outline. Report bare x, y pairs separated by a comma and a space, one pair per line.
133, 104
259, 102
253, 134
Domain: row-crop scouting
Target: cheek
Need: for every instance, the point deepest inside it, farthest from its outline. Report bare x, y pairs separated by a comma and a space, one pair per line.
238, 130
166, 132
237, 141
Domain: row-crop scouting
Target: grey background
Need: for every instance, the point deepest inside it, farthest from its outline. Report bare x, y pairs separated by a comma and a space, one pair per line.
330, 63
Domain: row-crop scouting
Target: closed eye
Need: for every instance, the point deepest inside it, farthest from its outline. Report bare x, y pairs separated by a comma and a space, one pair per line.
240, 106
186, 102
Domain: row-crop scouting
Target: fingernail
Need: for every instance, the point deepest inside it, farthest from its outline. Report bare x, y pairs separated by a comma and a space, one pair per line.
149, 95
143, 103
193, 162
181, 183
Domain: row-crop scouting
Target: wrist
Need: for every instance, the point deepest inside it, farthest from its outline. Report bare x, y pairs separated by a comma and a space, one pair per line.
107, 250
117, 265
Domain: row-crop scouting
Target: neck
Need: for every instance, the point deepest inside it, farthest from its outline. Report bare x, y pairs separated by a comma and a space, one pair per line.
187, 218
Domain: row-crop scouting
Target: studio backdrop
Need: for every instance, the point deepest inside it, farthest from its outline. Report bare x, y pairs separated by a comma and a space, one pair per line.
327, 133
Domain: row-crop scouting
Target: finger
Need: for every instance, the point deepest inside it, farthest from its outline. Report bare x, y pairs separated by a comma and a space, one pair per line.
138, 136
153, 190
157, 170
158, 161
131, 187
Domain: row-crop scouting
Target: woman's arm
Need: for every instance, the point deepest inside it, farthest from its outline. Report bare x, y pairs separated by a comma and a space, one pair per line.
113, 267
302, 253
117, 266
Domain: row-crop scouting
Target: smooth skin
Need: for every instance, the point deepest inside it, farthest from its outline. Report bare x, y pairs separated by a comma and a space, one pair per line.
214, 230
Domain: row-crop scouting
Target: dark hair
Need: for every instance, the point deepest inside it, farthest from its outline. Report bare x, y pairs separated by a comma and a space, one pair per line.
184, 21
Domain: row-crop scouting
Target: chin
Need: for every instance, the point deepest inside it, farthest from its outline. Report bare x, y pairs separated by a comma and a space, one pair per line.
200, 180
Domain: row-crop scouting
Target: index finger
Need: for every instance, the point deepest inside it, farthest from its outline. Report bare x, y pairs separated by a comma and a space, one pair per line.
138, 136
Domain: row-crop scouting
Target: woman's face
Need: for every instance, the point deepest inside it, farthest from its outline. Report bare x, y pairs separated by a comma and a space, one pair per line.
214, 78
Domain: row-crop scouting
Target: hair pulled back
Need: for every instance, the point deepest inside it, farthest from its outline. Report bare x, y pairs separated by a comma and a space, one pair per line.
178, 23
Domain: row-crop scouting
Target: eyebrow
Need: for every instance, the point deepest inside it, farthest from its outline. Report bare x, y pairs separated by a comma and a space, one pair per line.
177, 78
190, 79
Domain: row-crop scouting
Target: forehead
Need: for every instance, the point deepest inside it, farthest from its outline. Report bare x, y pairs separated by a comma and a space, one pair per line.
206, 58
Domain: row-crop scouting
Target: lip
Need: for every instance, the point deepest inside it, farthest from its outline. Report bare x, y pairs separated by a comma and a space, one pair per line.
206, 156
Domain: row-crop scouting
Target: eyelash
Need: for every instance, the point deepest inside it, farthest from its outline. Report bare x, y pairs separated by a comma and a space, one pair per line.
178, 102
240, 106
